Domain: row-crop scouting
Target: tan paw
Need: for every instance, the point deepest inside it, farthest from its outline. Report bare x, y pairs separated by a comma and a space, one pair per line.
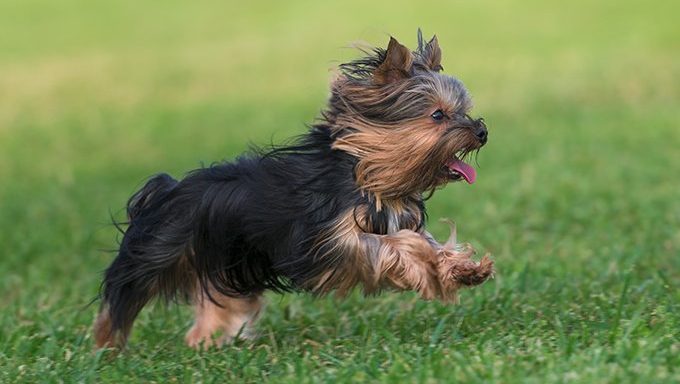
456, 272
468, 272
199, 338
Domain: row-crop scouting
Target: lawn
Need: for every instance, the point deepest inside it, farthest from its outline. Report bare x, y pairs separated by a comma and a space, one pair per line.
577, 199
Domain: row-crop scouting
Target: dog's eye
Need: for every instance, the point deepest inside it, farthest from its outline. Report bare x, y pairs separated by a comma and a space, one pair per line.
438, 115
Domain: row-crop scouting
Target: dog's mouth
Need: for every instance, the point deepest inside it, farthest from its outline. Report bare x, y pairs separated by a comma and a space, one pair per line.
458, 169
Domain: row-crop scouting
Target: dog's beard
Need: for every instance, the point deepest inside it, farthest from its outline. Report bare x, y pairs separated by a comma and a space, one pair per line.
407, 159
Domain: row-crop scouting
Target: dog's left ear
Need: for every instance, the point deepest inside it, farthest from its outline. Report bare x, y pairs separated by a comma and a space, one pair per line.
430, 53
396, 66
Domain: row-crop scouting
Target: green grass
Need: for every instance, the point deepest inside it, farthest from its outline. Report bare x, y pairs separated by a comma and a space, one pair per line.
578, 196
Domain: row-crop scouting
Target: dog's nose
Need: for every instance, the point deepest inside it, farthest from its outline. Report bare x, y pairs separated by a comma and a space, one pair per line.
481, 133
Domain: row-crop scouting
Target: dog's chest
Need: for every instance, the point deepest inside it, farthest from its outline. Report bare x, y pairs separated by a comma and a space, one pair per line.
395, 216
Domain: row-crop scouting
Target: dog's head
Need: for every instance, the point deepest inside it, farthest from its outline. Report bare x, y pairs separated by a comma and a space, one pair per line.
406, 122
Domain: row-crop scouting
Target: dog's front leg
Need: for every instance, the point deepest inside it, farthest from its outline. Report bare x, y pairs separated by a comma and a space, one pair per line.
409, 260
404, 260
455, 266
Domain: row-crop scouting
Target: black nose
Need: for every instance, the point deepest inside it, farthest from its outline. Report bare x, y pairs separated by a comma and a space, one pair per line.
481, 133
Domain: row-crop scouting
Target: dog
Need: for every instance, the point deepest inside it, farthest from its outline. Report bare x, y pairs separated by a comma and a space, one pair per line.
341, 206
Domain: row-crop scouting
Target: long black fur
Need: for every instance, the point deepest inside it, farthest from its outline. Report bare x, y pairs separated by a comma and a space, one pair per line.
241, 227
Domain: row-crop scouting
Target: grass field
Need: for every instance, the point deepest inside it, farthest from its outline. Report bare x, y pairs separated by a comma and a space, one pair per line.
578, 196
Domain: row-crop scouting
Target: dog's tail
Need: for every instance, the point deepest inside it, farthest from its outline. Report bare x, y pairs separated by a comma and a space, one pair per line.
150, 254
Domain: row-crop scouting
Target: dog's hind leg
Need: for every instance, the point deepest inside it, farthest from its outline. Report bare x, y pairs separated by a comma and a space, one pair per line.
219, 322
123, 297
104, 334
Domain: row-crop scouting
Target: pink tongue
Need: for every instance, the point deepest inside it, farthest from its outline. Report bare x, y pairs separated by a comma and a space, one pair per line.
464, 169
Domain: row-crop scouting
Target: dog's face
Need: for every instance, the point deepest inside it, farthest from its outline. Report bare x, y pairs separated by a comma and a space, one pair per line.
406, 122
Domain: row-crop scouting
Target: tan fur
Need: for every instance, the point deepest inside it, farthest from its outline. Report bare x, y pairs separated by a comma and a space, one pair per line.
402, 160
103, 335
341, 242
232, 317
405, 261
401, 260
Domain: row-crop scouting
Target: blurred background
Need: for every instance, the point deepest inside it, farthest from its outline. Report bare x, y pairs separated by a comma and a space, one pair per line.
578, 187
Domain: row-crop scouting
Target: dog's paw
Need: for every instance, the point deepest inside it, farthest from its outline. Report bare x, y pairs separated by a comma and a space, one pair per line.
204, 339
200, 339
469, 272
457, 269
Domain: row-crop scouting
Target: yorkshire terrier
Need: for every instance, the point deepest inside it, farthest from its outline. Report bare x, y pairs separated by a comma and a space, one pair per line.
343, 206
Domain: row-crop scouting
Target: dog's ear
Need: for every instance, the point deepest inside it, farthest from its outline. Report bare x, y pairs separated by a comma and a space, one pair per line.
430, 53
396, 66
